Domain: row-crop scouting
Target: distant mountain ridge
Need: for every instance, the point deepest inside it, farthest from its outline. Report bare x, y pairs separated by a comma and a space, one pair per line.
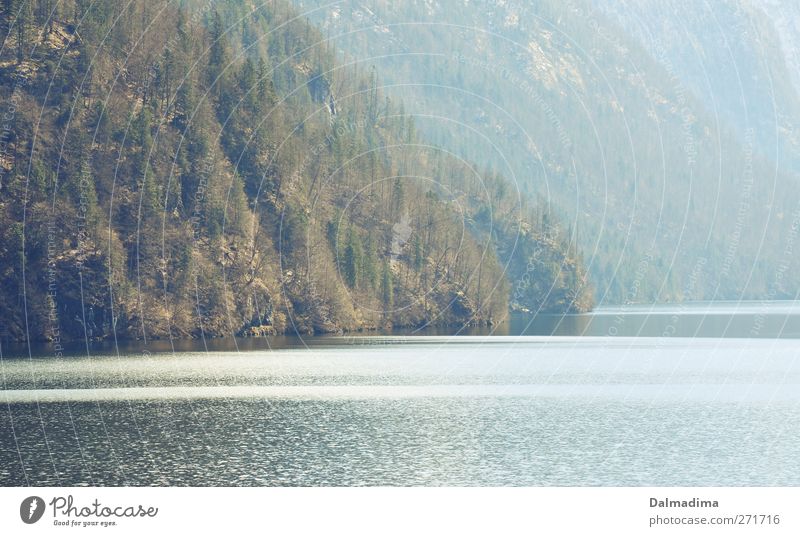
672, 192
739, 56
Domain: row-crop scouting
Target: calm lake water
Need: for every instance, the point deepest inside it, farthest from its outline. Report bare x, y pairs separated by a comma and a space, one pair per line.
699, 394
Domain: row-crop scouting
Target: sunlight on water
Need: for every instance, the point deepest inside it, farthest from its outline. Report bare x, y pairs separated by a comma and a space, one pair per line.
401, 410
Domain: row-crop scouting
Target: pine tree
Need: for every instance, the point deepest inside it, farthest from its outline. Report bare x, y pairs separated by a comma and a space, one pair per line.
418, 253
398, 198
266, 91
144, 139
370, 267
218, 56
23, 11
387, 286
353, 258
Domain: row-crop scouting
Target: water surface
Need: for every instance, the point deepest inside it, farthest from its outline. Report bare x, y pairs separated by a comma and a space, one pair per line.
416, 410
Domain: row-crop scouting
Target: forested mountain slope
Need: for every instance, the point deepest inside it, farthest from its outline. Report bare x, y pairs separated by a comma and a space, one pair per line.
671, 198
211, 170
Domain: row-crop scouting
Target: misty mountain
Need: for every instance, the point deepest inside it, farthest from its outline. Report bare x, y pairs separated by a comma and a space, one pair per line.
740, 57
675, 178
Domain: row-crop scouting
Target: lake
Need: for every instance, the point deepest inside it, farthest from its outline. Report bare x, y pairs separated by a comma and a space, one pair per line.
690, 395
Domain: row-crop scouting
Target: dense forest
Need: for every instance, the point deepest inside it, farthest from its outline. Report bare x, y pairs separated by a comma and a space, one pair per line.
674, 200
209, 169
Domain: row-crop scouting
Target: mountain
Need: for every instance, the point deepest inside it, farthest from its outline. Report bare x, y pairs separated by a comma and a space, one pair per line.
210, 169
785, 18
740, 57
676, 179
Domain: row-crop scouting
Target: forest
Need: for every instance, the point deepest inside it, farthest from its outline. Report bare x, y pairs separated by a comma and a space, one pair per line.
670, 198
213, 169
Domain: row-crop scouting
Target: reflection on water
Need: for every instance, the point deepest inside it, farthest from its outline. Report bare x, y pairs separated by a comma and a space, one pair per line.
698, 319
733, 320
768, 320
689, 401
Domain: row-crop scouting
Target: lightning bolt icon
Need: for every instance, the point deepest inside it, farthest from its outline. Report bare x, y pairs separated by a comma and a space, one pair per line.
33, 508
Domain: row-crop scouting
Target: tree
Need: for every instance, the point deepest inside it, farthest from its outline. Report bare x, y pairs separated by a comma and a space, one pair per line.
218, 57
8, 17
370, 265
387, 286
23, 9
353, 258
398, 198
247, 82
143, 172
266, 91
185, 104
143, 140
418, 253
331, 233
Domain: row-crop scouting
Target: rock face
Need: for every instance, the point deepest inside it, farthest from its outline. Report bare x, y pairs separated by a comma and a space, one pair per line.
739, 57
